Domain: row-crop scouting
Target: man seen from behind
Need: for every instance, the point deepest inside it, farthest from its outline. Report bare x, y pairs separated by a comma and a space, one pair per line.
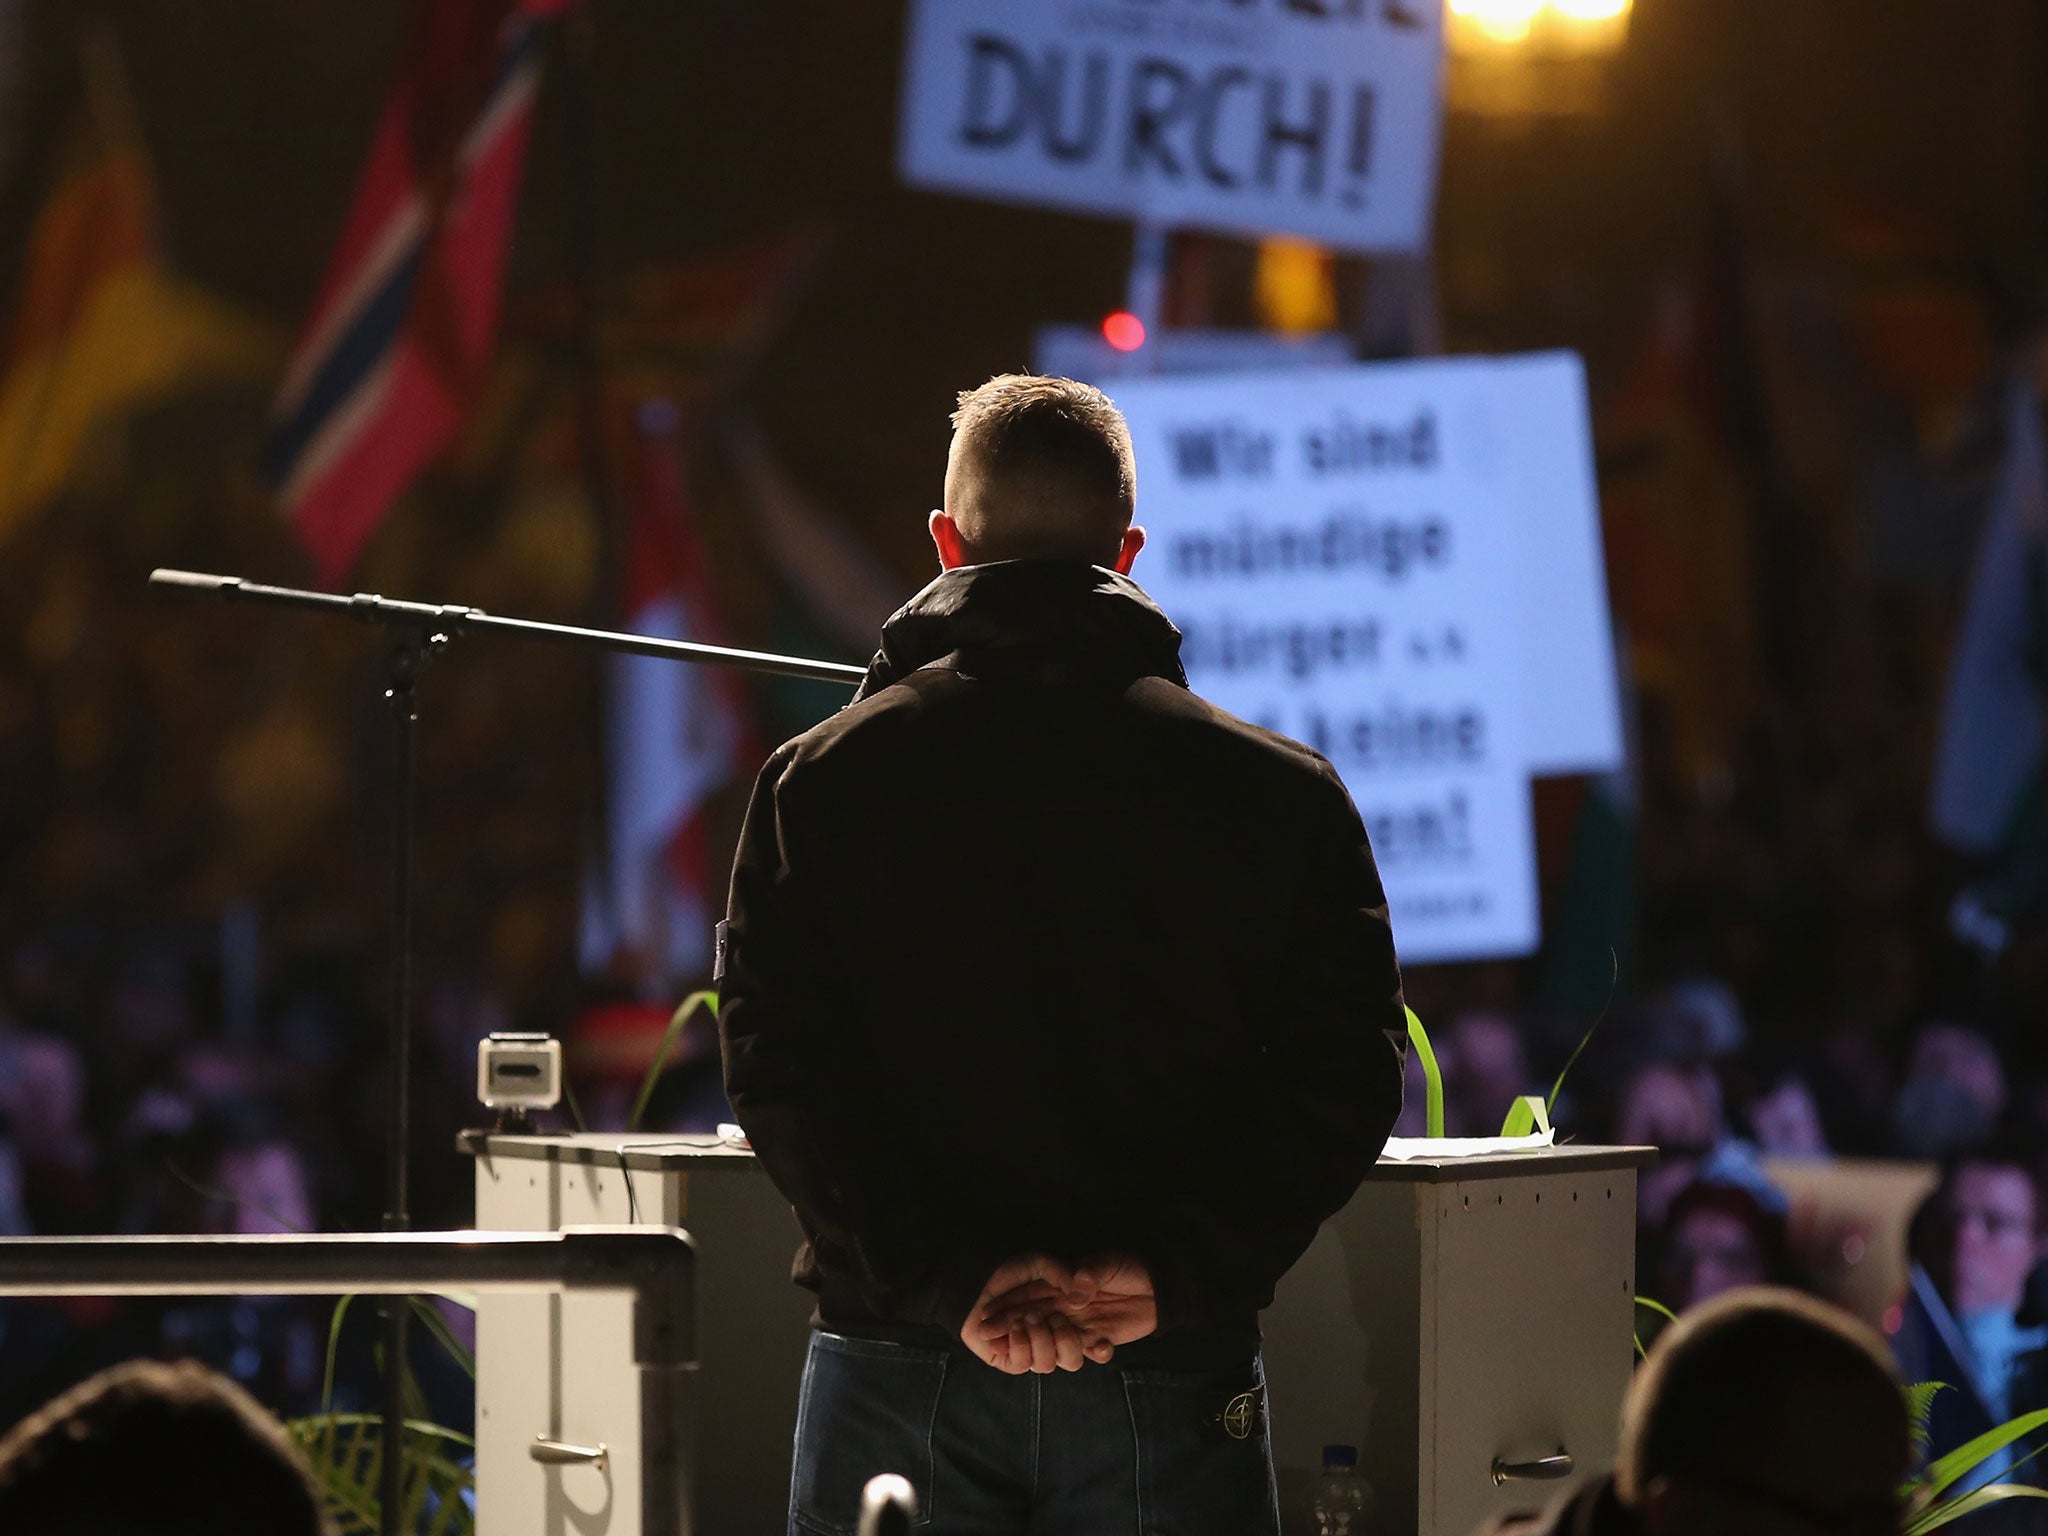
1063, 1007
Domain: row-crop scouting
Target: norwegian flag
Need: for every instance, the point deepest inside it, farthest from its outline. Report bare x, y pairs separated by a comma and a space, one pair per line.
675, 734
402, 329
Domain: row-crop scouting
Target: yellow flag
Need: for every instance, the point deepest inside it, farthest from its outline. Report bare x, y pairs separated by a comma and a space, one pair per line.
101, 327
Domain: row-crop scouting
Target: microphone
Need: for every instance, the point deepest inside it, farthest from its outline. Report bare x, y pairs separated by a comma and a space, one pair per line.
197, 581
887, 1506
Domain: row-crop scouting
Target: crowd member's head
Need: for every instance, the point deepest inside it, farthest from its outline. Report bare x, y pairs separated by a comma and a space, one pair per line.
155, 1449
1764, 1412
1718, 1238
44, 1089
1953, 1093
1710, 1008
1040, 469
1676, 1109
1978, 1234
1784, 1118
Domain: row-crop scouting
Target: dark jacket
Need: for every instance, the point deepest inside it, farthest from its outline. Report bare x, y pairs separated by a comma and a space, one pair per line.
1929, 1345
1031, 949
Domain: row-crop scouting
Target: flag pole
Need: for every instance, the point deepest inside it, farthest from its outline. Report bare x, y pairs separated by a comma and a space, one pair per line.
574, 64
411, 646
1145, 285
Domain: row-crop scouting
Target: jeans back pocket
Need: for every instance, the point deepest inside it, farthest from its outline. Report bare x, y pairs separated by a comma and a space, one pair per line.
868, 1406
1204, 1467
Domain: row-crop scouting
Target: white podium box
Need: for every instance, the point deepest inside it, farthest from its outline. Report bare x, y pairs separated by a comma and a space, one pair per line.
1466, 1323
562, 1366
1456, 1314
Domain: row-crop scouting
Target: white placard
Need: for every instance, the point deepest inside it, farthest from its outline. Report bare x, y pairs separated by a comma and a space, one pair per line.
1311, 117
1542, 430
1340, 549
1571, 720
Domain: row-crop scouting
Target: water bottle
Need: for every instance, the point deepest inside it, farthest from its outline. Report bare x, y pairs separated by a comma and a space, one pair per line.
1343, 1498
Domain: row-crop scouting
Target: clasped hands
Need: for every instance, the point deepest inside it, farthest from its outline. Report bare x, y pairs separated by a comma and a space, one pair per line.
1039, 1314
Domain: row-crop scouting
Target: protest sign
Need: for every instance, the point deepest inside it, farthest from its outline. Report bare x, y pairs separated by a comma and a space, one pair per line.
1346, 554
1537, 414
1312, 117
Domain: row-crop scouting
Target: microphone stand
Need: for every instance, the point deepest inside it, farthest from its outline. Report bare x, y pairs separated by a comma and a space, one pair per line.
419, 632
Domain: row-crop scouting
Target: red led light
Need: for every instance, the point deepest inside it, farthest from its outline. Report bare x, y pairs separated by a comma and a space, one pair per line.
1124, 331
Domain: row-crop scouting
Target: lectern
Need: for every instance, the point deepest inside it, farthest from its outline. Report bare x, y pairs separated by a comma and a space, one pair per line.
1465, 1322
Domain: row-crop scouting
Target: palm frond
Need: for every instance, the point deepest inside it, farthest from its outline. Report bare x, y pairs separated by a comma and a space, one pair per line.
1920, 1396
1936, 1516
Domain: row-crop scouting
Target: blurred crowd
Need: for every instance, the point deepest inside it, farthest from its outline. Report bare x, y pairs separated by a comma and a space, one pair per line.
1882, 1145
152, 1081
145, 1086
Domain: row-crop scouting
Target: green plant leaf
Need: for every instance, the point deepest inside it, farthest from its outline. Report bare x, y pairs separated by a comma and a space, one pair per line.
208, 1192
452, 1507
1938, 1515
1527, 1116
333, 1461
1920, 1396
334, 1323
1613, 982
437, 1325
350, 1476
676, 1024
575, 1109
1432, 1077
373, 1422
1967, 1456
1657, 1307
349, 1481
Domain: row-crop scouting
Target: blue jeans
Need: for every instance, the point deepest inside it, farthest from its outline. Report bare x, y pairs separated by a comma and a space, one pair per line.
1108, 1450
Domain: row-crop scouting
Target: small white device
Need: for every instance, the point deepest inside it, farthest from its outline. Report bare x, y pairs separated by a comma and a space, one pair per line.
519, 1072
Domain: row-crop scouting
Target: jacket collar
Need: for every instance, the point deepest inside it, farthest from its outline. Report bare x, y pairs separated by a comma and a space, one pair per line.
1047, 621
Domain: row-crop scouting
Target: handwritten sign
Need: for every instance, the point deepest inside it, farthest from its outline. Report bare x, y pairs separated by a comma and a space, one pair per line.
1347, 553
1312, 117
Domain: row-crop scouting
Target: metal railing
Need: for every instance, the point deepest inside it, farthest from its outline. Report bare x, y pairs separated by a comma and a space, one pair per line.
655, 1266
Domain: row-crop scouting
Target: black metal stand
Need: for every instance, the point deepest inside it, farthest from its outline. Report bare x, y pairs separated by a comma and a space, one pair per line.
410, 649
419, 631
447, 620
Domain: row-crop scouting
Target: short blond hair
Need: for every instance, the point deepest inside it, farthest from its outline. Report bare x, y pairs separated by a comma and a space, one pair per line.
1041, 468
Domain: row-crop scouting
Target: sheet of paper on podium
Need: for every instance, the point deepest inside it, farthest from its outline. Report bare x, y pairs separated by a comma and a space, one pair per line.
1409, 1149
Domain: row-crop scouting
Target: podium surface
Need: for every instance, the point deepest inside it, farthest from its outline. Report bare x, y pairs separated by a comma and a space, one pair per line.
1458, 1313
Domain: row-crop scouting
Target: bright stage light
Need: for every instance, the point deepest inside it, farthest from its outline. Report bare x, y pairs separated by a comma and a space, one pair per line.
1124, 331
1572, 25
1504, 21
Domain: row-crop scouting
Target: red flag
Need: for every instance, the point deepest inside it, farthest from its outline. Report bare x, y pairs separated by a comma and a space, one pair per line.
406, 317
676, 733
